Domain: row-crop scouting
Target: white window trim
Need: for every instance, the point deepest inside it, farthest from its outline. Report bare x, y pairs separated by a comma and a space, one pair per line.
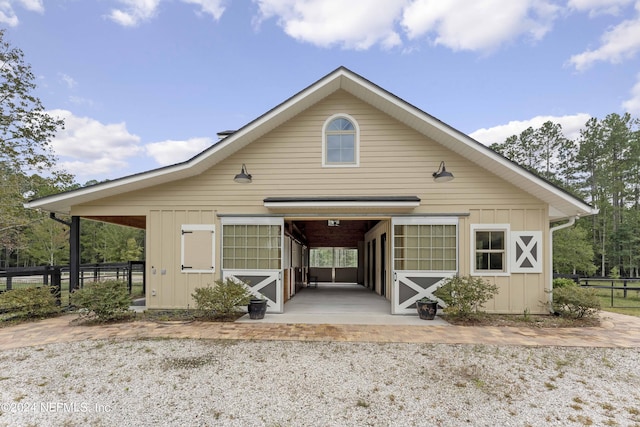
507, 249
198, 227
357, 143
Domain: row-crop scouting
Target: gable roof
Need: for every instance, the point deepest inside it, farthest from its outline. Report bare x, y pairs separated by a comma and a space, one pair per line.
562, 204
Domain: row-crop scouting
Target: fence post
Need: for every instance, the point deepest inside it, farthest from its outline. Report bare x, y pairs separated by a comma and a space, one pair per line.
624, 292
130, 277
56, 284
612, 292
9, 284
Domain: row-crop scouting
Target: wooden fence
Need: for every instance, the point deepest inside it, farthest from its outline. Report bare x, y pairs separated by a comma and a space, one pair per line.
58, 276
618, 288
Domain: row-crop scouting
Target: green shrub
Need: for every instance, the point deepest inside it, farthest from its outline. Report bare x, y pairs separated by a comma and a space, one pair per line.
563, 283
465, 296
29, 302
104, 301
223, 299
575, 302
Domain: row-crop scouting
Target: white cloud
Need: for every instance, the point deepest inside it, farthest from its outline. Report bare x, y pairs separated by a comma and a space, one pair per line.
135, 11
632, 105
170, 152
8, 15
214, 8
78, 100
68, 80
32, 5
598, 7
326, 23
481, 25
571, 126
87, 147
619, 43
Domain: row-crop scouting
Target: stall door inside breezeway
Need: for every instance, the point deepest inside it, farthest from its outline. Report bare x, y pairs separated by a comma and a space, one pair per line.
252, 253
425, 253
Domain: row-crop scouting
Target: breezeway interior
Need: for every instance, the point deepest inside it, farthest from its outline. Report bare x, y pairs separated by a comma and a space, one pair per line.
341, 303
370, 238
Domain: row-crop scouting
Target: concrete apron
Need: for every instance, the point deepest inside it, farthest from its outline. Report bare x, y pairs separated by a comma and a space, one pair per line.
340, 303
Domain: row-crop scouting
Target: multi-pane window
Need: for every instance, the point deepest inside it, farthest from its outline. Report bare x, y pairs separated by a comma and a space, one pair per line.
340, 142
430, 247
333, 257
251, 246
490, 251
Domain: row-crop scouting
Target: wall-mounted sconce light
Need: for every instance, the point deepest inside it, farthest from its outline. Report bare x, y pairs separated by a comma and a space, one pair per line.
243, 177
442, 175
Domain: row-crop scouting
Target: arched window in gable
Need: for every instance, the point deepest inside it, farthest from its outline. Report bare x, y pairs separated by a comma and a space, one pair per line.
341, 145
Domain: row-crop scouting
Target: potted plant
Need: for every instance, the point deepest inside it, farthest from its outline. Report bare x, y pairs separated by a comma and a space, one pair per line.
427, 308
257, 308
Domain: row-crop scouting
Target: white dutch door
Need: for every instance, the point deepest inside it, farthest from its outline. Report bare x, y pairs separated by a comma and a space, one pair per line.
425, 254
252, 254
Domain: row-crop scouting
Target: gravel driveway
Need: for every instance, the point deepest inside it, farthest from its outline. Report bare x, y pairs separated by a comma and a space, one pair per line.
173, 382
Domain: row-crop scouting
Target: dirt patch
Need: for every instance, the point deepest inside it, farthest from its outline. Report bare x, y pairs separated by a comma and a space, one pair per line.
522, 321
186, 316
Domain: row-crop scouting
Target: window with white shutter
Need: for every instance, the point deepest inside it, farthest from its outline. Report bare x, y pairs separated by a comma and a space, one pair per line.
198, 248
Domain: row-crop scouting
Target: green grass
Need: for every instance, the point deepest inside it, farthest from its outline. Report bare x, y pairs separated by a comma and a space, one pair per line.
629, 305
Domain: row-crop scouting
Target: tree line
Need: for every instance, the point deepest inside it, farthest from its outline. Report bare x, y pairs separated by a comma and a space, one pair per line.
602, 167
28, 170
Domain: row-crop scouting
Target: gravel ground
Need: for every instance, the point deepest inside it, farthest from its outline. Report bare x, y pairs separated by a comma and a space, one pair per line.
172, 382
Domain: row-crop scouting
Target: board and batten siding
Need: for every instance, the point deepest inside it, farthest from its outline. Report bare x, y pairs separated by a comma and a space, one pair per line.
167, 285
518, 291
395, 160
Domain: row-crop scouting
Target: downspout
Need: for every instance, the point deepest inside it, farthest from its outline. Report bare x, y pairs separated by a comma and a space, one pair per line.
572, 221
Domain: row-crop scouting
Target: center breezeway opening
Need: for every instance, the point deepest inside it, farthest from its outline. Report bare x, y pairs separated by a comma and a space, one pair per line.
340, 263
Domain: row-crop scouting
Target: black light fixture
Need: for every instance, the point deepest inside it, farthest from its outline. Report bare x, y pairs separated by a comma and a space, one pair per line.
442, 175
243, 177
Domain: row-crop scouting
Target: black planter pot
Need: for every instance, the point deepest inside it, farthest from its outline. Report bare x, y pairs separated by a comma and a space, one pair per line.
257, 308
427, 310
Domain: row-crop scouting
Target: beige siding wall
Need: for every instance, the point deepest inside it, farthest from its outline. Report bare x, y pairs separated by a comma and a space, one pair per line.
518, 291
167, 285
394, 160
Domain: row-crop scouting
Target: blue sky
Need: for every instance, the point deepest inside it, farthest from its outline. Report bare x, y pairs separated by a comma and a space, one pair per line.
147, 83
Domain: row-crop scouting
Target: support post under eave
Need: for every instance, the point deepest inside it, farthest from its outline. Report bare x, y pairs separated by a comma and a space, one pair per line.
74, 253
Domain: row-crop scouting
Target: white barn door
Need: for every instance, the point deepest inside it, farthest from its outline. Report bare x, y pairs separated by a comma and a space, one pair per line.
252, 253
424, 255
262, 284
